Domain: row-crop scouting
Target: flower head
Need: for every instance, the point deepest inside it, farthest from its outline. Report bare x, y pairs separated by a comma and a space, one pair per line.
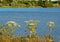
50, 24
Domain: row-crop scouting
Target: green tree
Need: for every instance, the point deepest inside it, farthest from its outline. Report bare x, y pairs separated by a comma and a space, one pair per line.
40, 2
9, 1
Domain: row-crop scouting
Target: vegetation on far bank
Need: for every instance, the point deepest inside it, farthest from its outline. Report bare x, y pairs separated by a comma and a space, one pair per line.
29, 4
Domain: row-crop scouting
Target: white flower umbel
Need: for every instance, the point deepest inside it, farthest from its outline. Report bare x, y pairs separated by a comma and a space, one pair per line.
12, 23
31, 24
51, 24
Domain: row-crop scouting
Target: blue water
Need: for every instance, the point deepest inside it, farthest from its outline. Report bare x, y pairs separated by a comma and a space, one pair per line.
43, 15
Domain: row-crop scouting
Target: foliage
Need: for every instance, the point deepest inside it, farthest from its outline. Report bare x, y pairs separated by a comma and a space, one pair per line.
27, 4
